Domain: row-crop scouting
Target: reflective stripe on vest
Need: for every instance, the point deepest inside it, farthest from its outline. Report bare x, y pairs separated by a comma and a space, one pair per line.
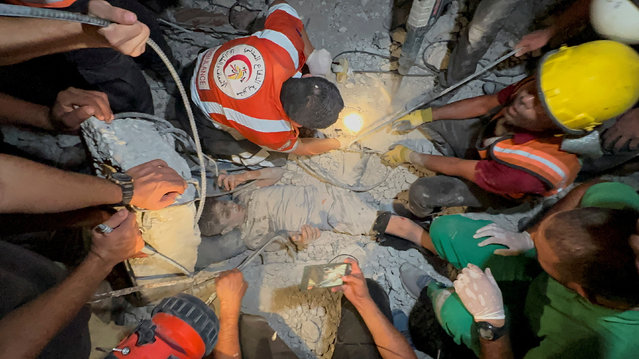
542, 158
42, 3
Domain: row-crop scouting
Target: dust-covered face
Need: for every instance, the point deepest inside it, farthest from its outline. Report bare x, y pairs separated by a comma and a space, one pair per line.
230, 214
526, 111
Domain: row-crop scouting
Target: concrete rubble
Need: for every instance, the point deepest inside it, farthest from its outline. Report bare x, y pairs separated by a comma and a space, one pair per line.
307, 321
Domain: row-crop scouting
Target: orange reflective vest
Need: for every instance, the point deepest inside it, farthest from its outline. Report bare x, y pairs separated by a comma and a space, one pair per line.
542, 157
42, 3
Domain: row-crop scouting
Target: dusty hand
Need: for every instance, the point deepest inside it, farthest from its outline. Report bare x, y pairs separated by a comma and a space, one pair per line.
319, 62
396, 155
480, 293
306, 234
624, 134
413, 119
230, 287
354, 287
126, 34
155, 185
124, 242
73, 106
533, 41
517, 242
229, 182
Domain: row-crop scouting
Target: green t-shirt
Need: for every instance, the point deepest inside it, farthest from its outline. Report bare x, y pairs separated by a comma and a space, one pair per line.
569, 326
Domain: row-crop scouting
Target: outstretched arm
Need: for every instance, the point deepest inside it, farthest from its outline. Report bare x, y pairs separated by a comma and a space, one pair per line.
31, 187
315, 146
72, 107
575, 16
230, 287
263, 178
390, 342
20, 338
26, 38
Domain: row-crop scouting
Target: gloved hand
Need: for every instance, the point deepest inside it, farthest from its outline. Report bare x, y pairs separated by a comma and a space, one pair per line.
413, 119
319, 62
516, 242
479, 293
396, 155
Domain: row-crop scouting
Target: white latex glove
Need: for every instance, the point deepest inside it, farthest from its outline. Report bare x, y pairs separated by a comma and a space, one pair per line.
319, 62
516, 242
479, 293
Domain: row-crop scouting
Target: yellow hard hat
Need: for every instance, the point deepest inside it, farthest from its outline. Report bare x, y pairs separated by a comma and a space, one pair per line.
584, 85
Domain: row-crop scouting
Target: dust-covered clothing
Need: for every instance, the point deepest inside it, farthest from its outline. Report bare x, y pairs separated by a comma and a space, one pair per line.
238, 84
286, 207
546, 319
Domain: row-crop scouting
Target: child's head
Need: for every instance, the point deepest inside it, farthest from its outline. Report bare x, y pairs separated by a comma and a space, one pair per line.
220, 217
589, 250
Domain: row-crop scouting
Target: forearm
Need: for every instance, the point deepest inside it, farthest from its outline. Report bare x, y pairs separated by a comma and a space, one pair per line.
568, 202
228, 339
17, 112
24, 333
38, 37
30, 187
450, 166
573, 18
315, 146
498, 349
266, 176
467, 108
390, 342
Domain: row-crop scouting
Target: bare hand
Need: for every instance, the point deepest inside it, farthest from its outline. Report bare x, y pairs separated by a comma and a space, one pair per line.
624, 134
155, 185
355, 288
124, 242
306, 234
126, 34
229, 182
73, 106
230, 287
533, 41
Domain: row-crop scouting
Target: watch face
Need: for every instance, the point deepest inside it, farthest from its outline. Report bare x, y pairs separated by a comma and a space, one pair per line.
486, 333
121, 177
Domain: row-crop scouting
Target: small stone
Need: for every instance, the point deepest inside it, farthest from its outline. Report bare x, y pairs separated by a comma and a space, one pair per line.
342, 29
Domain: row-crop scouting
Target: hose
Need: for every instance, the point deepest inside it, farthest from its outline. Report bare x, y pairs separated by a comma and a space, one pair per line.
32, 12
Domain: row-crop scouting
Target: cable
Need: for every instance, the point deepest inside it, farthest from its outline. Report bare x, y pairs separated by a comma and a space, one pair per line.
364, 52
325, 178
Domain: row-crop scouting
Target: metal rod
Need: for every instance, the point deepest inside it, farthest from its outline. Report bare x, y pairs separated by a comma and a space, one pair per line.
385, 121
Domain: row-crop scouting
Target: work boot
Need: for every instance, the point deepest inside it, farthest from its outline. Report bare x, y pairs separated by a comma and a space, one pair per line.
414, 279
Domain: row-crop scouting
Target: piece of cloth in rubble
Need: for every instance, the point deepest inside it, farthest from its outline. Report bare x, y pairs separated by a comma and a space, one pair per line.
238, 84
24, 275
288, 207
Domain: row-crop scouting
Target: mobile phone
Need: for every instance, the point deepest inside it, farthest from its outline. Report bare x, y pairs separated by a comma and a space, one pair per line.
324, 275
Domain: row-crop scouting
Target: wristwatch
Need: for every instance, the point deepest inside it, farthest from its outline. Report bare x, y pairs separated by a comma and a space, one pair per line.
490, 332
126, 184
